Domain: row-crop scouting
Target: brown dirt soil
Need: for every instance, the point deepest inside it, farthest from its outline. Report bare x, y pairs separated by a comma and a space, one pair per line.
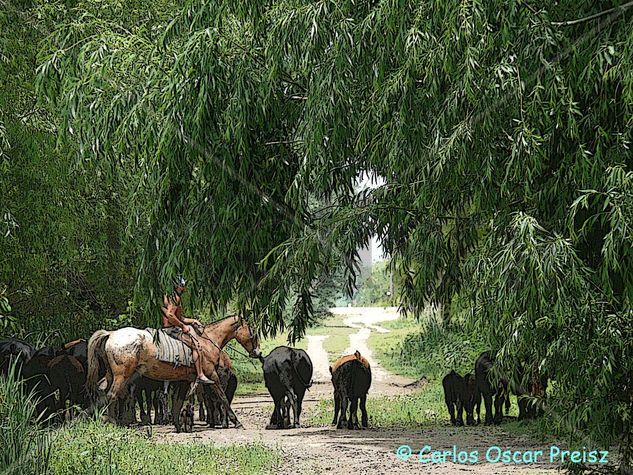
324, 449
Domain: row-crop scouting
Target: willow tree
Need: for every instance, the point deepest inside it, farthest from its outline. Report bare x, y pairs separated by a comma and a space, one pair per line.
500, 131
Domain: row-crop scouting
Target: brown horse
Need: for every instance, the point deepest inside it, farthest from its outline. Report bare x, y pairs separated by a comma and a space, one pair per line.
129, 350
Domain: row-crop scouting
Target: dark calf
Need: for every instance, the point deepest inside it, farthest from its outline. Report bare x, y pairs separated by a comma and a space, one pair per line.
67, 376
216, 414
489, 389
530, 400
186, 417
454, 395
472, 399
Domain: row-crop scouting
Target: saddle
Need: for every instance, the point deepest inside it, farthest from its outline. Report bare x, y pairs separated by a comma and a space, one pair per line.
170, 348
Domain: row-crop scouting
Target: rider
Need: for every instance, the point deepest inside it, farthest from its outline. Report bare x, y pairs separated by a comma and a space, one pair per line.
176, 318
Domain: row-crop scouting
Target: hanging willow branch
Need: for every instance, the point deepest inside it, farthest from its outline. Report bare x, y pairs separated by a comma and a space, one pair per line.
620, 9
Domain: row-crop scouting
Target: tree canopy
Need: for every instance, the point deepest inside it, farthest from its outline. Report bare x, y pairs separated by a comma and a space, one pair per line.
500, 132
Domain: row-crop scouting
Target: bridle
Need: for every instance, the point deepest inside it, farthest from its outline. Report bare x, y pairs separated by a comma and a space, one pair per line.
251, 335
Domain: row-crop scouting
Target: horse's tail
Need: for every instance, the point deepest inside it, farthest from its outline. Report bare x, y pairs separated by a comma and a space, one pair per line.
95, 348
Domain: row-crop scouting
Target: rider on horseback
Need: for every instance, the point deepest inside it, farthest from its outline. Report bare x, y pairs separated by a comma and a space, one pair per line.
173, 316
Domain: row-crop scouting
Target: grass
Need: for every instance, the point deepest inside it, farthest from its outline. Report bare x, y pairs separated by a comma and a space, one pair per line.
420, 409
91, 447
24, 442
426, 349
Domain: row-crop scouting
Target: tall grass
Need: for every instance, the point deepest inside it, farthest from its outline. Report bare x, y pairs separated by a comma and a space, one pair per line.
428, 349
24, 443
93, 448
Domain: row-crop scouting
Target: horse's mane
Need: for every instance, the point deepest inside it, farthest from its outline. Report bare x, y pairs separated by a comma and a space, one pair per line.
212, 324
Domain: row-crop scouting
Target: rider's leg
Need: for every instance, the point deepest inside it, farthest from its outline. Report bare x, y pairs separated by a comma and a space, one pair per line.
196, 353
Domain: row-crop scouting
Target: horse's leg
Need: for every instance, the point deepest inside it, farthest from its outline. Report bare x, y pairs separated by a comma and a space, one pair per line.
165, 401
121, 373
179, 397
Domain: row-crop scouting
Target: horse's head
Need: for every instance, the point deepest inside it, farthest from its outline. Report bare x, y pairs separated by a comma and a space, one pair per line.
248, 339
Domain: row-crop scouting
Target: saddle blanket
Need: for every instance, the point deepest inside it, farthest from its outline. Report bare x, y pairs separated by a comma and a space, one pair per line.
170, 348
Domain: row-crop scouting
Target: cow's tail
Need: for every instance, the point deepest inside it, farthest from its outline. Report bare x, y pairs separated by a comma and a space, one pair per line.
95, 350
293, 360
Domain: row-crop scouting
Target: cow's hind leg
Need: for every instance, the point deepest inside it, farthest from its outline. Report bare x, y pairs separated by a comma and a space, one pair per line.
219, 392
459, 421
300, 396
292, 402
451, 408
342, 421
337, 403
363, 411
352, 422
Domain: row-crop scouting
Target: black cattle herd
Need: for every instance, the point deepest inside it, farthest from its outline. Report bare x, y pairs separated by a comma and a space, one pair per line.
464, 394
57, 377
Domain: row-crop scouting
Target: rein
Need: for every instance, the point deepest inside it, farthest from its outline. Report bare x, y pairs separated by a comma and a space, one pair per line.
201, 335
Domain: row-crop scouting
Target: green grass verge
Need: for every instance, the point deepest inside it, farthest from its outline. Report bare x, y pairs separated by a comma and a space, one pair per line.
92, 447
419, 409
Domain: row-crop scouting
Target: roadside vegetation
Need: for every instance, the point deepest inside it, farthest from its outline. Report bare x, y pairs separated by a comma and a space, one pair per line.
28, 445
424, 350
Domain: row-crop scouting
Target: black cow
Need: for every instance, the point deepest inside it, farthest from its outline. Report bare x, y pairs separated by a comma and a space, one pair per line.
287, 374
12, 349
149, 393
216, 414
488, 388
77, 349
454, 397
351, 378
35, 373
67, 376
472, 399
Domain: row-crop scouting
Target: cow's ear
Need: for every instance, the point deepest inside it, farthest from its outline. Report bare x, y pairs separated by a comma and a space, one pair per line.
357, 354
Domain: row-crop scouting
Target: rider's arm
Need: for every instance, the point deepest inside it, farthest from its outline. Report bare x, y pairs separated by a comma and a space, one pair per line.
190, 321
174, 320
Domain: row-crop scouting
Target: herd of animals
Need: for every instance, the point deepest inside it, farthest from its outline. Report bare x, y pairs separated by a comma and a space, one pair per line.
464, 394
58, 379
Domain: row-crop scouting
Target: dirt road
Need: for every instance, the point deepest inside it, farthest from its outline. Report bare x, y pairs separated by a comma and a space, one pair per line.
324, 449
